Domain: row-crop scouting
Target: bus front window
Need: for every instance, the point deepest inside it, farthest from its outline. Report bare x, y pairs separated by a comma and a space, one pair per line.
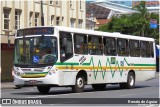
36, 51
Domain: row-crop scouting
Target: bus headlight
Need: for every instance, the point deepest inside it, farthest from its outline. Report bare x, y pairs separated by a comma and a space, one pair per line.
17, 72
52, 71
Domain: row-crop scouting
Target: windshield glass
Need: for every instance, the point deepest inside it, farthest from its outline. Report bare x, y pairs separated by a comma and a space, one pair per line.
36, 51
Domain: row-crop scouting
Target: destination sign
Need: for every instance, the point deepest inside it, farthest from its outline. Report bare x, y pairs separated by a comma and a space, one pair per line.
36, 31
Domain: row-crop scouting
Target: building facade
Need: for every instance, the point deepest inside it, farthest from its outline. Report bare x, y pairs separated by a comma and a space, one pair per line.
132, 3
22, 14
149, 3
152, 5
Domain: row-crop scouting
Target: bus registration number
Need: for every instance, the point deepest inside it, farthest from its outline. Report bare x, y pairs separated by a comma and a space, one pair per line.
33, 81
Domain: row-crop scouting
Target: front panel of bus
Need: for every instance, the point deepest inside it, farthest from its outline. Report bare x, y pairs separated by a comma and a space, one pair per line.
36, 51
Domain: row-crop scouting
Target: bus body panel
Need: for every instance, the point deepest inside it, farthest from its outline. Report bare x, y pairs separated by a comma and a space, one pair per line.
99, 68
101, 71
69, 77
48, 80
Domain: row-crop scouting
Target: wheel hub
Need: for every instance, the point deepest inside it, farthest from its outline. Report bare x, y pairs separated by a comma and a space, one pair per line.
79, 82
131, 80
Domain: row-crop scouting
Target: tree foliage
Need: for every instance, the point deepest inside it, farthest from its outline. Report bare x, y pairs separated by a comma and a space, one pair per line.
134, 24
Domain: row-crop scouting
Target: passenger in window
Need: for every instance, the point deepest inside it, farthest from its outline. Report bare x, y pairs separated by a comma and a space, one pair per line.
46, 56
120, 48
62, 53
90, 47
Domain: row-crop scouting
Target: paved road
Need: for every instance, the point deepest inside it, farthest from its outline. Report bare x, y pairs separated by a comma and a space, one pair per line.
147, 89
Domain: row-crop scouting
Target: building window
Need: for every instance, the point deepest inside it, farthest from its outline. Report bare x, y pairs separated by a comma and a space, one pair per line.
52, 20
30, 18
80, 23
57, 2
80, 4
36, 19
71, 4
51, 2
6, 18
57, 20
72, 22
17, 19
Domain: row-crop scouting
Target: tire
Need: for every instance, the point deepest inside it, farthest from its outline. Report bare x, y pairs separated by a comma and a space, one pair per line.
130, 82
99, 87
17, 87
43, 89
79, 85
122, 85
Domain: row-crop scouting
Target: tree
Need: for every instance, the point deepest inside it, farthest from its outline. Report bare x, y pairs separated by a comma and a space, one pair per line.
143, 15
134, 24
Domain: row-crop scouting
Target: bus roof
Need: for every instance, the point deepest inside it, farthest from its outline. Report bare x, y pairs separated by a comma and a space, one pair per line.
98, 33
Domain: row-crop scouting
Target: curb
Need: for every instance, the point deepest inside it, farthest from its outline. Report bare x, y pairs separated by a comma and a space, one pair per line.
7, 85
12, 87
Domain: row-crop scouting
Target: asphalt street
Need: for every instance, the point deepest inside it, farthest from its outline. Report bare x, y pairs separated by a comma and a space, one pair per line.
146, 89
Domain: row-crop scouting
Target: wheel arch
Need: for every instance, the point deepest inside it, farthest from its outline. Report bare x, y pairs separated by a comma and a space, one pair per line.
133, 73
84, 74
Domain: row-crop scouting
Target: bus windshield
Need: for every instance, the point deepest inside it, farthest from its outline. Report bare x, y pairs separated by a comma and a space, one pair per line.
37, 51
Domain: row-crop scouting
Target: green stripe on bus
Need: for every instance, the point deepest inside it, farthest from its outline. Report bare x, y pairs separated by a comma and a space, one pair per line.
108, 64
144, 64
66, 63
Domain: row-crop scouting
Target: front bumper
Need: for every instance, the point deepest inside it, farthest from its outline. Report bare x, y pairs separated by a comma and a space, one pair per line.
47, 80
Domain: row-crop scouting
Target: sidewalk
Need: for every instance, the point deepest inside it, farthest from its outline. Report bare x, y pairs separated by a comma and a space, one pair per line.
7, 85
10, 85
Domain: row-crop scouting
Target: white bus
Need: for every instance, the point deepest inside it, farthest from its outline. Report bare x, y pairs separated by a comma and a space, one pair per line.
59, 56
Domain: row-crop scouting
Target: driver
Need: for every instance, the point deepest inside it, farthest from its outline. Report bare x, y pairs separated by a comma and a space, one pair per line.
46, 56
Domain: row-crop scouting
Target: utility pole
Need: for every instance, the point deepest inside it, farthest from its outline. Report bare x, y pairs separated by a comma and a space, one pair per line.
42, 16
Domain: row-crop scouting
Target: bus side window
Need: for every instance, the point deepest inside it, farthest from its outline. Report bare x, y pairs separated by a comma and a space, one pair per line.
145, 49
152, 49
80, 44
109, 46
122, 47
95, 45
66, 47
134, 48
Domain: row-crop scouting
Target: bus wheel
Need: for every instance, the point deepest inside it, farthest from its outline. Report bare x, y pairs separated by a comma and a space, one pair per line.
130, 81
17, 87
43, 89
98, 87
79, 86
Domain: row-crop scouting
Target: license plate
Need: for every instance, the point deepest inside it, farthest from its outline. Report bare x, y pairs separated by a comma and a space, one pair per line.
33, 81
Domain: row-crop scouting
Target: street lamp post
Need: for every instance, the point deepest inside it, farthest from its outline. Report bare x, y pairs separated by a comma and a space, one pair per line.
42, 16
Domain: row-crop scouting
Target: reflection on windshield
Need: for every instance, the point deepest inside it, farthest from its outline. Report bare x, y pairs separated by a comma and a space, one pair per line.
40, 50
